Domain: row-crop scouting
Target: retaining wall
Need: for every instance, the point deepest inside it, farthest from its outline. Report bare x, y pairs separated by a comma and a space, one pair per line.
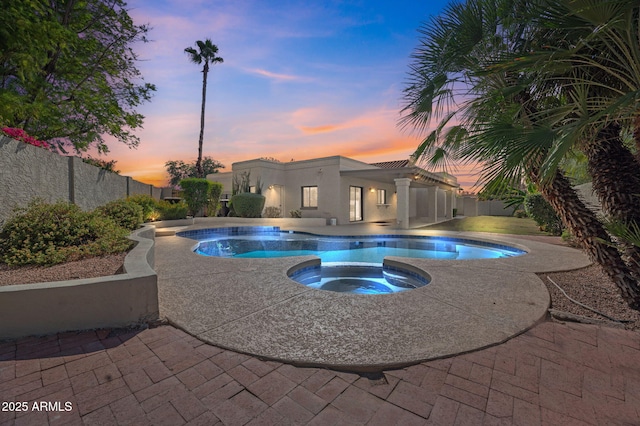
28, 172
106, 302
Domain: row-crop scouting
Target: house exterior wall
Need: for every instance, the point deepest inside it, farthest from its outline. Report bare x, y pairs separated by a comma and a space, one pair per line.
283, 182
287, 180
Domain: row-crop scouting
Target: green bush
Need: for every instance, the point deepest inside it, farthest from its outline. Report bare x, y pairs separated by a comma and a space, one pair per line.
541, 211
247, 204
46, 234
149, 206
520, 213
195, 192
172, 211
214, 198
125, 213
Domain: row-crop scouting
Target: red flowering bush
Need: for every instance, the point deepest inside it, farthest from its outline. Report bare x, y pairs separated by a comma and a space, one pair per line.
21, 135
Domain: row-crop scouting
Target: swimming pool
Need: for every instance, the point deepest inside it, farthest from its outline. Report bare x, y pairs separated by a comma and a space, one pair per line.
269, 242
348, 264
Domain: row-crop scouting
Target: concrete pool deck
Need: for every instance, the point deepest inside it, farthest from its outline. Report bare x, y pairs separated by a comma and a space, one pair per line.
251, 306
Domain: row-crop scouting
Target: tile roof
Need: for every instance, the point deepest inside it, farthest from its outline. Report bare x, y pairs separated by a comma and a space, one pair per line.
393, 164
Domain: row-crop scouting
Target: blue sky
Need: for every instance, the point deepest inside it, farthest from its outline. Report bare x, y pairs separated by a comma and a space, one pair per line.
300, 79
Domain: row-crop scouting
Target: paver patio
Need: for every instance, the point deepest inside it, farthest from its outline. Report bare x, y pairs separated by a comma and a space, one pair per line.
554, 374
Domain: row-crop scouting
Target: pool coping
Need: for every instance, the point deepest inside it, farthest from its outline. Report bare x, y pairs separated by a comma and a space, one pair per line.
251, 306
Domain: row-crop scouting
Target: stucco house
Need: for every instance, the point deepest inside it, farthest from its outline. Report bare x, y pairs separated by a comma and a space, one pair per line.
344, 191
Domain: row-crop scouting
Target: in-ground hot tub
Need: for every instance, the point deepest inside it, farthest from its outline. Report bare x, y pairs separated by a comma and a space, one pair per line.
359, 278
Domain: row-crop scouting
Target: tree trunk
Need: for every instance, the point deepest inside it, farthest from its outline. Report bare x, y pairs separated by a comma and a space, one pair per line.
199, 169
616, 181
636, 137
588, 230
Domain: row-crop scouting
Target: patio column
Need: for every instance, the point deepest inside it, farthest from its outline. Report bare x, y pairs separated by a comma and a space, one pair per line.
402, 208
432, 204
452, 194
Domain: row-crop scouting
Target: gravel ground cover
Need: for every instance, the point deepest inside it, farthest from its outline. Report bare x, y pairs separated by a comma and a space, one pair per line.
85, 268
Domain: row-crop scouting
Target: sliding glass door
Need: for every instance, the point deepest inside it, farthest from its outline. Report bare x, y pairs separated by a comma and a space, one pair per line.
355, 203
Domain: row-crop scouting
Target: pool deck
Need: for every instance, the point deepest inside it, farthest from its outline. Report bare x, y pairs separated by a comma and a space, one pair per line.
251, 306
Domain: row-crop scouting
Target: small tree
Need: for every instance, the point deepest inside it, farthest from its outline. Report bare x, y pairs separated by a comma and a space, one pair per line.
214, 198
178, 169
196, 193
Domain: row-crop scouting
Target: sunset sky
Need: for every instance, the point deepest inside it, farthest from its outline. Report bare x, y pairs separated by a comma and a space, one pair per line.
300, 80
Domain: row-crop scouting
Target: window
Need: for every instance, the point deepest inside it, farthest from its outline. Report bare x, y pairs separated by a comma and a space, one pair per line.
382, 196
309, 197
355, 203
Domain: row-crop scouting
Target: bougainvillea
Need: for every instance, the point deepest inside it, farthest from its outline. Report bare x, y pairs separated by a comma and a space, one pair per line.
21, 135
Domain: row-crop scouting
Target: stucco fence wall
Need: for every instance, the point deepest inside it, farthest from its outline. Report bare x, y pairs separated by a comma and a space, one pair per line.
107, 302
28, 172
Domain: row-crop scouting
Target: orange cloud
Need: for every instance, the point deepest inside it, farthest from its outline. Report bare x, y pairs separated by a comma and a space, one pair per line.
319, 129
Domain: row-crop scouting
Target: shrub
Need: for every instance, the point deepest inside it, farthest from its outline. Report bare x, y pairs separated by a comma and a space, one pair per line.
46, 234
541, 211
248, 204
124, 213
214, 198
520, 213
196, 193
21, 135
149, 206
172, 211
297, 214
272, 211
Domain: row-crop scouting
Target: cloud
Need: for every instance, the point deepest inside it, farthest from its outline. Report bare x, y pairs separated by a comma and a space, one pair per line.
276, 76
319, 129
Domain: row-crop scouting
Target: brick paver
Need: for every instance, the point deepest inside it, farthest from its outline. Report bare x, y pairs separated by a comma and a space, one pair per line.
554, 374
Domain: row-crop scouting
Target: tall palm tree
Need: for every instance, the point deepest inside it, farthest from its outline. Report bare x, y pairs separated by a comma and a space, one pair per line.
466, 73
206, 53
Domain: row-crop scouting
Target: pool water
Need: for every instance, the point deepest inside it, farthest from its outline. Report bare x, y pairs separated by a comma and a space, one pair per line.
368, 249
351, 264
359, 279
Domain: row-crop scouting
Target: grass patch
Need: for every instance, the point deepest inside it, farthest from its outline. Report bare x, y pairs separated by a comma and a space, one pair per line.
495, 224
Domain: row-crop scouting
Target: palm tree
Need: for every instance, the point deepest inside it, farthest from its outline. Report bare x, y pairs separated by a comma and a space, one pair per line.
206, 53
468, 72
594, 66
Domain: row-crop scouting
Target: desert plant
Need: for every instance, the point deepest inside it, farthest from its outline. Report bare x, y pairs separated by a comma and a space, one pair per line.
196, 193
272, 211
124, 213
259, 185
241, 183
47, 234
248, 204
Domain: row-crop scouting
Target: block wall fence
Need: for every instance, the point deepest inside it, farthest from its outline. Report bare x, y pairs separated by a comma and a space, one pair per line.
28, 172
